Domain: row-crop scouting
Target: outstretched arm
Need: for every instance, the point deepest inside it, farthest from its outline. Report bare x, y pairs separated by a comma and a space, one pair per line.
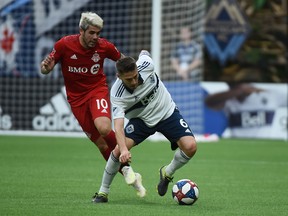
241, 91
217, 101
125, 155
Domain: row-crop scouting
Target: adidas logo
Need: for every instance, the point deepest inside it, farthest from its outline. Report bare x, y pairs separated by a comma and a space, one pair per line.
6, 122
104, 111
188, 131
73, 57
56, 115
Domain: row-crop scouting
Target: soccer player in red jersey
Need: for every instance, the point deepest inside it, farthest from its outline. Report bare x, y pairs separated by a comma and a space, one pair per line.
81, 57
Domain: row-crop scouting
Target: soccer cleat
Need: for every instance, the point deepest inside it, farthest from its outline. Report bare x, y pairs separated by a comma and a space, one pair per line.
100, 198
129, 175
141, 191
164, 182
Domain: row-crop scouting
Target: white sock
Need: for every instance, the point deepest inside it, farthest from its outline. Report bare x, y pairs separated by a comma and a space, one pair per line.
179, 160
111, 169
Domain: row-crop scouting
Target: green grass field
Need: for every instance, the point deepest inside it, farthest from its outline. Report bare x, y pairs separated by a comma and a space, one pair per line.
58, 176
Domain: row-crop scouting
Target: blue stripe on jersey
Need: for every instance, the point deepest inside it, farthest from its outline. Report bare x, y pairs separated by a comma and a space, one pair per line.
120, 90
144, 65
140, 103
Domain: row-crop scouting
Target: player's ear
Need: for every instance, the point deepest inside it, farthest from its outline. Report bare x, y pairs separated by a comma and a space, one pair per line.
118, 75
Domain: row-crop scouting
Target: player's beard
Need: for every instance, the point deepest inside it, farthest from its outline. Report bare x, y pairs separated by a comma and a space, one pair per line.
89, 43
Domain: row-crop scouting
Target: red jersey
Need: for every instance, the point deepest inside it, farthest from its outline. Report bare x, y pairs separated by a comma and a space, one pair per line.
82, 68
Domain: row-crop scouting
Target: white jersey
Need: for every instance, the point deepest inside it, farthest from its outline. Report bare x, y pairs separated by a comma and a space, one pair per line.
150, 101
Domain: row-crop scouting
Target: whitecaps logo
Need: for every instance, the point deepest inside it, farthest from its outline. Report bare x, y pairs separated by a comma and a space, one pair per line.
130, 128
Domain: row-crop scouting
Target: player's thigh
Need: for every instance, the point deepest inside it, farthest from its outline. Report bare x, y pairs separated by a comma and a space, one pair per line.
174, 127
138, 131
99, 105
85, 120
103, 125
129, 143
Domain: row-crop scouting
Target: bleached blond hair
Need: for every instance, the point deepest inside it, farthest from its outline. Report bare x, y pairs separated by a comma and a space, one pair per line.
90, 18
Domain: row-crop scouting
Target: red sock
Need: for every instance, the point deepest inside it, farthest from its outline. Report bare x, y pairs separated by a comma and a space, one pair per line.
106, 154
111, 140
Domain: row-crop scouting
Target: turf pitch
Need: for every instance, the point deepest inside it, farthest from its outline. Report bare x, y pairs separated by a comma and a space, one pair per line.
58, 176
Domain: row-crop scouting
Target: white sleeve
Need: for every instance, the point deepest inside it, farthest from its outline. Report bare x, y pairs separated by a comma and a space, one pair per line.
145, 62
144, 52
117, 108
118, 112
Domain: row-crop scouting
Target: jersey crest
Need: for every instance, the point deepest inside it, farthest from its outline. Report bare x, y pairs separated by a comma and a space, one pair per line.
95, 57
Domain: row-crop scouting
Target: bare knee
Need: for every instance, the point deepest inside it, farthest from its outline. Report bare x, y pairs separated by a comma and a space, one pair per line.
192, 148
104, 130
188, 145
103, 125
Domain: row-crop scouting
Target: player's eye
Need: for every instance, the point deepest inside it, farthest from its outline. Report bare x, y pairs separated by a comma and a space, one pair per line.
93, 32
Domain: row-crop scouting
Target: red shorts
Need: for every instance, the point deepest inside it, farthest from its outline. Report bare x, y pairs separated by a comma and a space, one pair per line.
96, 106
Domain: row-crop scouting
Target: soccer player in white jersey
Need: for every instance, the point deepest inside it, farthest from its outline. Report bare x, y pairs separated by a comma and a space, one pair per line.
139, 95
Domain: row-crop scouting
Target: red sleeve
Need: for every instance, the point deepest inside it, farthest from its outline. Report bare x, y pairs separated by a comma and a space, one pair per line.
112, 52
58, 50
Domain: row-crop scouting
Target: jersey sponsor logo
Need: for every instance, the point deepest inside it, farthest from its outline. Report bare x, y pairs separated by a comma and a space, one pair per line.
93, 70
77, 69
146, 100
251, 119
56, 116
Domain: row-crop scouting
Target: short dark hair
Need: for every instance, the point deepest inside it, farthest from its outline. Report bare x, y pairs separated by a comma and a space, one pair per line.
126, 64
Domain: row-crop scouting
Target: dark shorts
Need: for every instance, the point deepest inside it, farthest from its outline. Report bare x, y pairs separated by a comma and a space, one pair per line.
173, 128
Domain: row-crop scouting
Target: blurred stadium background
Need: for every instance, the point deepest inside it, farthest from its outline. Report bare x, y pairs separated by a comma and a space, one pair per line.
34, 104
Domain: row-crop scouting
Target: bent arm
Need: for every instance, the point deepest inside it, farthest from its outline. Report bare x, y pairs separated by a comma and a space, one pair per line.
125, 155
194, 64
217, 100
47, 65
240, 92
